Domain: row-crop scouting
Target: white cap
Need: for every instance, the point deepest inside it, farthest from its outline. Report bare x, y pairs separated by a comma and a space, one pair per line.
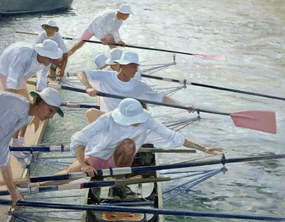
125, 9
51, 97
49, 48
128, 58
129, 112
50, 23
115, 54
100, 60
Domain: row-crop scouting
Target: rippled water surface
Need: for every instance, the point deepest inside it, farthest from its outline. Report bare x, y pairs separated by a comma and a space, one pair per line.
249, 33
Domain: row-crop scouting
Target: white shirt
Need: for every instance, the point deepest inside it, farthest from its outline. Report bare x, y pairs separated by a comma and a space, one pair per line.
19, 62
43, 76
13, 116
102, 137
104, 24
57, 38
108, 82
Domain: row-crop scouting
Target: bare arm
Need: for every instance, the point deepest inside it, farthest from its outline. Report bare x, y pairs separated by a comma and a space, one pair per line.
169, 100
80, 156
8, 178
83, 78
74, 48
89, 89
63, 64
192, 145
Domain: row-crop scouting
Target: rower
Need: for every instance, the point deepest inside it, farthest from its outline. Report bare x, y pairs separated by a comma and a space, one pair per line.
115, 137
50, 31
105, 27
19, 62
121, 83
16, 112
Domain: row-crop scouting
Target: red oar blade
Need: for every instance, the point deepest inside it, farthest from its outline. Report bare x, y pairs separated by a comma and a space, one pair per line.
257, 120
210, 57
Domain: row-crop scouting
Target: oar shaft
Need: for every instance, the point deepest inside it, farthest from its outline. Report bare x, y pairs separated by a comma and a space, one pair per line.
58, 177
165, 79
237, 91
141, 47
143, 169
212, 87
102, 208
123, 97
39, 148
77, 105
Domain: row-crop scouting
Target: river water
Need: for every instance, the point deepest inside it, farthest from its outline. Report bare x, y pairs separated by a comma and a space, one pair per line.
249, 33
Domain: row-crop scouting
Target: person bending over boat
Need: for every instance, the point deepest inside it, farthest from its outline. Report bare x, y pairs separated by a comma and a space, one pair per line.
16, 112
51, 32
19, 62
121, 83
105, 26
115, 137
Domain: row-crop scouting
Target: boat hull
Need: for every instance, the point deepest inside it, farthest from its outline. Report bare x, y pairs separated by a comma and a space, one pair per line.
10, 7
148, 192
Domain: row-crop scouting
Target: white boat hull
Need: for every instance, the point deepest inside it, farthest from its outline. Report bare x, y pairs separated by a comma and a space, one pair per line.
32, 6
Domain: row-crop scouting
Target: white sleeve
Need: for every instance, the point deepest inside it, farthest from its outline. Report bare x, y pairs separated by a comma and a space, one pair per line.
40, 38
8, 121
150, 94
99, 25
42, 78
61, 43
167, 138
16, 69
116, 35
88, 133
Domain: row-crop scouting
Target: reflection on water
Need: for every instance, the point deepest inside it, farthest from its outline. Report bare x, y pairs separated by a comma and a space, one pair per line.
251, 36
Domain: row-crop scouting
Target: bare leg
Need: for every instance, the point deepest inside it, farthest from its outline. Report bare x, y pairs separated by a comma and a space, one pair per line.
124, 155
93, 114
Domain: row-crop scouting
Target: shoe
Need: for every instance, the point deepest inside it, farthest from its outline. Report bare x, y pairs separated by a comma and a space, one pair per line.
120, 191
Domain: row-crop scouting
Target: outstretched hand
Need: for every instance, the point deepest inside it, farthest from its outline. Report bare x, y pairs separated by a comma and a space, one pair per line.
121, 43
15, 197
191, 109
91, 171
214, 150
91, 92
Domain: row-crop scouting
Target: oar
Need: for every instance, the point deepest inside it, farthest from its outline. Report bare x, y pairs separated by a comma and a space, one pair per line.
76, 105
185, 82
257, 120
146, 169
62, 148
102, 208
105, 183
202, 56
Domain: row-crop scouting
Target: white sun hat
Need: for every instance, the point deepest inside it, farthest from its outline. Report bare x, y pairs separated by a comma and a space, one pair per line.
50, 23
100, 60
49, 48
51, 97
128, 58
129, 112
125, 9
115, 54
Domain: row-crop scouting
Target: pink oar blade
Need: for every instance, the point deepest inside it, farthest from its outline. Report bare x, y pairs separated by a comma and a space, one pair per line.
217, 57
257, 120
